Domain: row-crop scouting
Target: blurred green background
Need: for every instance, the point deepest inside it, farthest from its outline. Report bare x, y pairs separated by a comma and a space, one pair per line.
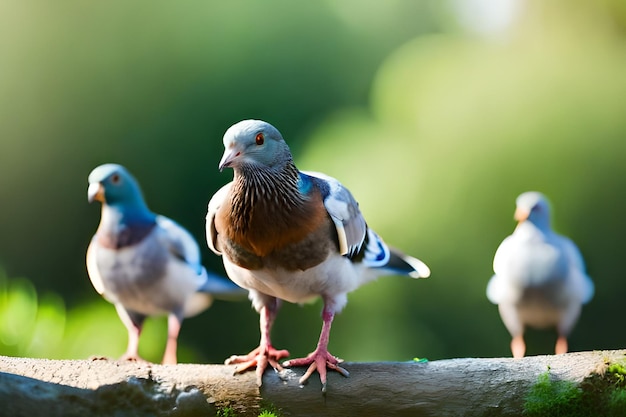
436, 114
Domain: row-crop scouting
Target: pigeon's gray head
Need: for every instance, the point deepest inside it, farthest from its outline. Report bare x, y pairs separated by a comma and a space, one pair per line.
254, 142
112, 184
534, 207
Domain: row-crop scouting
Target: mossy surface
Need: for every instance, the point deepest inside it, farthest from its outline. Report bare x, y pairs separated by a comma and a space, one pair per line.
226, 412
269, 410
550, 397
265, 412
601, 394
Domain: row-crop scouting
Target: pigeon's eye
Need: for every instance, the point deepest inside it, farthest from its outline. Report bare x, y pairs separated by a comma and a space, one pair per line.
115, 179
260, 138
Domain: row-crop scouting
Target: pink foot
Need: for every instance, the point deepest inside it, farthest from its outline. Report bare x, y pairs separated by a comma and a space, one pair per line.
561, 345
169, 359
320, 360
259, 357
132, 358
518, 347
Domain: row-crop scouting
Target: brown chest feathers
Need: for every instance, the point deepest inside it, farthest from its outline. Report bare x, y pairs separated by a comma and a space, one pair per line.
267, 230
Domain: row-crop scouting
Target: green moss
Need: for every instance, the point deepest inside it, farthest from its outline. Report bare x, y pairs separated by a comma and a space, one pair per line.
226, 412
269, 410
617, 402
618, 373
550, 397
600, 394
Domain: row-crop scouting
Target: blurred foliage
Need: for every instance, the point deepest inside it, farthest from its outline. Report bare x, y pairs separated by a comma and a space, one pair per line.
40, 326
457, 127
435, 116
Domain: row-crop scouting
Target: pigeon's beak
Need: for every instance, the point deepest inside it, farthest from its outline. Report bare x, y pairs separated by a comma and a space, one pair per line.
230, 154
521, 215
95, 192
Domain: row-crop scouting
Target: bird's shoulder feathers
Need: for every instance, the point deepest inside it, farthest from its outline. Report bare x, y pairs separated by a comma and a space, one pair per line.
179, 242
344, 211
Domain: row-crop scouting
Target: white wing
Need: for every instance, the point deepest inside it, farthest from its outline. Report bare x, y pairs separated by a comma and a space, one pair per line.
214, 205
92, 267
582, 284
181, 243
502, 255
498, 286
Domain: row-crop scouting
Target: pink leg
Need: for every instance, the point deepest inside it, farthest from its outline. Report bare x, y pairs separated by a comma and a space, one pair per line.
173, 328
263, 354
518, 346
561, 345
134, 330
320, 359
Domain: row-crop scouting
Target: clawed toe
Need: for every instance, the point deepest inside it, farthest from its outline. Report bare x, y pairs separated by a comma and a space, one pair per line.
308, 373
320, 361
243, 366
258, 358
338, 368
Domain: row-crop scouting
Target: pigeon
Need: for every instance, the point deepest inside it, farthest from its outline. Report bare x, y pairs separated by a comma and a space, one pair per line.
289, 235
540, 279
145, 264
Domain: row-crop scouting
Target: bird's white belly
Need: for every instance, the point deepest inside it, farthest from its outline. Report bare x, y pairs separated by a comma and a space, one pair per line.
540, 317
336, 275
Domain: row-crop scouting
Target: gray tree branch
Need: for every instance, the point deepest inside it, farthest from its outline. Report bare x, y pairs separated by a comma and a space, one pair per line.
454, 387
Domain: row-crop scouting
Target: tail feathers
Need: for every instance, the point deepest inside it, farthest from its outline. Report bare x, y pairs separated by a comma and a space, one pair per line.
221, 288
378, 256
399, 263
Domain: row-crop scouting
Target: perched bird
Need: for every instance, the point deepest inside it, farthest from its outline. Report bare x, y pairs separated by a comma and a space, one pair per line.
291, 235
540, 279
144, 263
